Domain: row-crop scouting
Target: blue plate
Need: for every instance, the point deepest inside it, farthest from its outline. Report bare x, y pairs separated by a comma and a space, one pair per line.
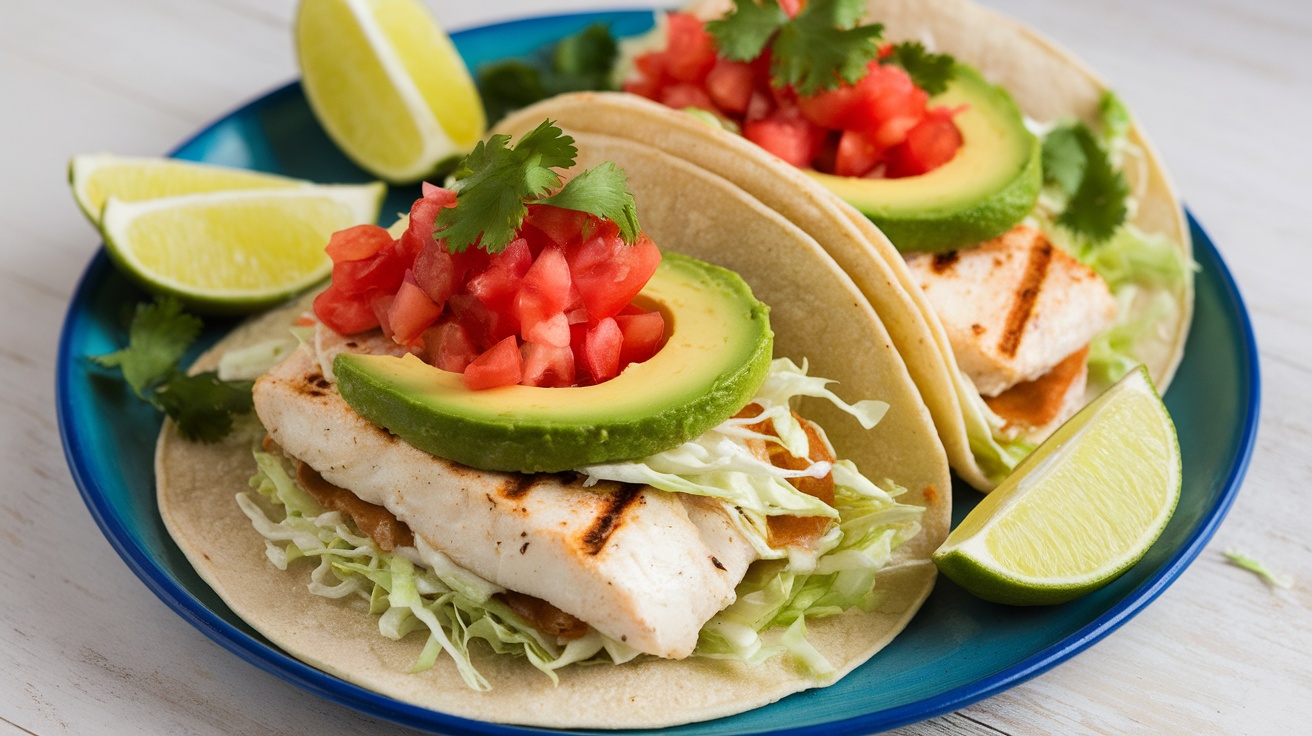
956, 651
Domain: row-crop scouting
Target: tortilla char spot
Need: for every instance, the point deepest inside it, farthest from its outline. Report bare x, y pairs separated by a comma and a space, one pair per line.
931, 495
719, 565
610, 518
523, 548
978, 329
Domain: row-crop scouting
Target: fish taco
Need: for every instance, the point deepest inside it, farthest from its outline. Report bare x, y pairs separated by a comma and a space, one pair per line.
633, 532
1005, 216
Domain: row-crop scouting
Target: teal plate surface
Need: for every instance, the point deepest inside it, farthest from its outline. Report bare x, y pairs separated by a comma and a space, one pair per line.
956, 651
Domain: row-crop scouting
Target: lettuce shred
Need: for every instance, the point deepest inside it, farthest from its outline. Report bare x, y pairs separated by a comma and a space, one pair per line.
410, 590
787, 585
1148, 275
420, 589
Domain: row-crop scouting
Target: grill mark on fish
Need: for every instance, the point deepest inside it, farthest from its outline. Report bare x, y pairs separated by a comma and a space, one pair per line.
517, 487
944, 261
315, 385
1028, 293
610, 518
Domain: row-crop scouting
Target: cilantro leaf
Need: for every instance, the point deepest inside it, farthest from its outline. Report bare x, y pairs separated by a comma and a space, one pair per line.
930, 72
824, 46
493, 182
509, 85
1097, 205
159, 335
743, 34
602, 191
582, 61
496, 183
1063, 159
203, 405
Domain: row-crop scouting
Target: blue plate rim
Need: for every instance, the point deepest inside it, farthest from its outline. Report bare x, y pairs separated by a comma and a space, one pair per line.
274, 661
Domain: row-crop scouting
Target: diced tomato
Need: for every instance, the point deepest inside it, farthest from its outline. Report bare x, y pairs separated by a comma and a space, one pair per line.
516, 315
642, 335
833, 109
440, 195
435, 273
484, 326
547, 365
382, 271
894, 131
684, 95
690, 50
787, 135
357, 243
500, 365
542, 297
885, 93
610, 273
346, 314
888, 94
497, 285
929, 145
601, 350
730, 85
561, 226
553, 331
791, 7
643, 86
423, 219
382, 306
652, 67
411, 312
856, 154
759, 106
447, 346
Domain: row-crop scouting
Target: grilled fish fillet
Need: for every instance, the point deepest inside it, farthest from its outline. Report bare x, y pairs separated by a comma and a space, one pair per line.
1014, 307
642, 566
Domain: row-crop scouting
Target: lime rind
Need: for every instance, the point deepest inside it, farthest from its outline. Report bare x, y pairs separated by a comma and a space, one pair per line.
331, 96
348, 204
138, 178
968, 558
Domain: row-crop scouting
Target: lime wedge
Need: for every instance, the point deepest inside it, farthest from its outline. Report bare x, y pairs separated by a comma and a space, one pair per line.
387, 84
1080, 510
97, 177
236, 251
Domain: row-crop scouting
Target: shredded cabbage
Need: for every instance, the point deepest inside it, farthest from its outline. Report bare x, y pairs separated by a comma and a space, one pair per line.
452, 605
793, 584
1147, 273
421, 589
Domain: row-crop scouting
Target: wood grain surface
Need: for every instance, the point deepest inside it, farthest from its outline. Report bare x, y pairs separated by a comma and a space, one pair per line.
1224, 87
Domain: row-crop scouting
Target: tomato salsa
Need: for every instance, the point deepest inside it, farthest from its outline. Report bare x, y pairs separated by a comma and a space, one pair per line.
879, 127
553, 308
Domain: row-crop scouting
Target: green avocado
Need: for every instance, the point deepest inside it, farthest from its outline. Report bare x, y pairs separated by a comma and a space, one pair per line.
717, 351
989, 186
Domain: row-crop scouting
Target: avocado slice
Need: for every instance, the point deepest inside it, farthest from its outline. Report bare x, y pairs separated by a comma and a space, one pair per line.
717, 352
990, 185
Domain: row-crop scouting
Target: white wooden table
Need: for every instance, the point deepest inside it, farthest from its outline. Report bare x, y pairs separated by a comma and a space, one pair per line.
1224, 86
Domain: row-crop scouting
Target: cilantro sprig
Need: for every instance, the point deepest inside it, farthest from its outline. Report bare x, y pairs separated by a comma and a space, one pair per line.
495, 184
582, 61
824, 46
1078, 165
202, 405
930, 72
